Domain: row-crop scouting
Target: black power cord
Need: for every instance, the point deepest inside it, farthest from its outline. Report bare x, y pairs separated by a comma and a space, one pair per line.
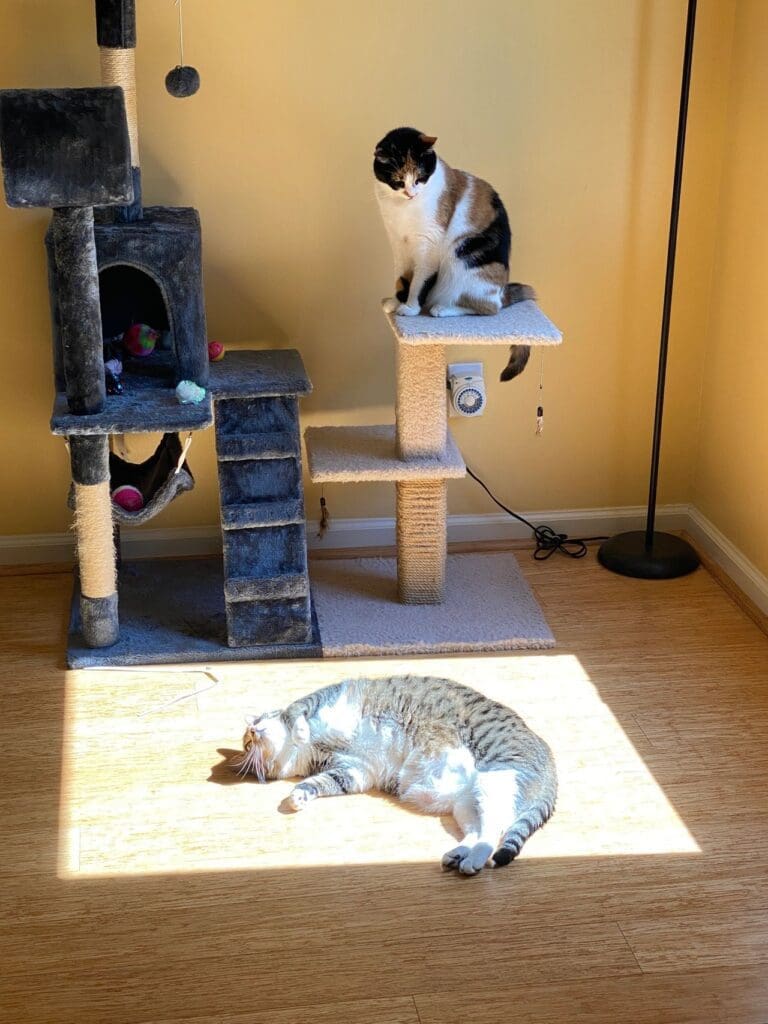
548, 541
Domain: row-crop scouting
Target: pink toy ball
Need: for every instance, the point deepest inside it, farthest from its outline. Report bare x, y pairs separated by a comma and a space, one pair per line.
129, 498
140, 340
215, 351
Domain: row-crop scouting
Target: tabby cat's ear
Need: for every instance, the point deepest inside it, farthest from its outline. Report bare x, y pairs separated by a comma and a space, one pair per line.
428, 140
300, 730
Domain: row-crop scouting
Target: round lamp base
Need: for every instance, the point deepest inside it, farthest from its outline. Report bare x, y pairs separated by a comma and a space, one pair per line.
665, 558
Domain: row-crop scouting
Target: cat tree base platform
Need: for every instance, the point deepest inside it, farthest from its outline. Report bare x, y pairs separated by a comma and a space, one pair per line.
172, 611
487, 606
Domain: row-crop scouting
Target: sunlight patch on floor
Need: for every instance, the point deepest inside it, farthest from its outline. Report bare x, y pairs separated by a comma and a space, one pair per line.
145, 790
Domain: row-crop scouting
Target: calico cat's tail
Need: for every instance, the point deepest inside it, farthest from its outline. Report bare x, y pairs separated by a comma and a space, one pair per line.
518, 354
531, 819
515, 292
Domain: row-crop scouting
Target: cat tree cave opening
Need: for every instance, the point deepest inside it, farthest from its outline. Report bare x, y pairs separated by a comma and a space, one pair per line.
130, 295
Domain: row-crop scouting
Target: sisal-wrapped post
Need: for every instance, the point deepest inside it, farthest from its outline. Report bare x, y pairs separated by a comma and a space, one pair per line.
89, 456
421, 505
421, 541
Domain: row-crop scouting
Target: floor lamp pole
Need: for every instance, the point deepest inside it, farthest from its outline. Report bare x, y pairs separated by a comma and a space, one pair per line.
646, 553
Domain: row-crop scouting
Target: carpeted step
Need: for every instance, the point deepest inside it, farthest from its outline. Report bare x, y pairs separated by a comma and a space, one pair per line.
356, 454
248, 588
274, 445
252, 515
285, 621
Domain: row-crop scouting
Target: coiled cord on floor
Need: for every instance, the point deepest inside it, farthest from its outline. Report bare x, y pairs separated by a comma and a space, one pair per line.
548, 541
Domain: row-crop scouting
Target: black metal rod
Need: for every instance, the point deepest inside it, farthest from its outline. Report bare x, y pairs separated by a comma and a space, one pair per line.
670, 278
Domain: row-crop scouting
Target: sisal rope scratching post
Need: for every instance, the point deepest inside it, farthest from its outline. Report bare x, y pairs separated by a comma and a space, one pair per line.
118, 67
89, 455
422, 430
421, 541
116, 38
93, 522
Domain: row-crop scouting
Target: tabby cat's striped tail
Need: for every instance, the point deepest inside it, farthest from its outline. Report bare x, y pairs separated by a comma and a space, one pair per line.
531, 819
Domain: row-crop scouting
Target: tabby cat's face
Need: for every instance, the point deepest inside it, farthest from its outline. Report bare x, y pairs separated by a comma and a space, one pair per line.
404, 160
266, 744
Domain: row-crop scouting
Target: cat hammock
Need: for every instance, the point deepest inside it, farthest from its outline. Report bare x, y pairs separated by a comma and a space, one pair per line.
418, 453
160, 479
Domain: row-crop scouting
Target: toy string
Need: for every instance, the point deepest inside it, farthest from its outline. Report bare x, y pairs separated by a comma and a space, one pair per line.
181, 34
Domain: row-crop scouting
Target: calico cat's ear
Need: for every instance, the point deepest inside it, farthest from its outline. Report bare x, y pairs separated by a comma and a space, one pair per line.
428, 140
300, 730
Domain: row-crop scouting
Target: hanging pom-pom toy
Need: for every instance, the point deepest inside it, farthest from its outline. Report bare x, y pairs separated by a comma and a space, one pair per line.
215, 351
183, 80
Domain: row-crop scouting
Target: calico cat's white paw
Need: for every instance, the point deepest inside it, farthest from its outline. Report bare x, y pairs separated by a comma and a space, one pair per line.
298, 798
390, 305
468, 859
403, 309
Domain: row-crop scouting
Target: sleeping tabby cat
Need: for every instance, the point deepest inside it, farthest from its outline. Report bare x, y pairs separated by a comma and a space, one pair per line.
432, 742
449, 234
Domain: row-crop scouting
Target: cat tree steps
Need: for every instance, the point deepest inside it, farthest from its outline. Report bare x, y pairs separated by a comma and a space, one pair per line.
370, 453
234, 447
266, 582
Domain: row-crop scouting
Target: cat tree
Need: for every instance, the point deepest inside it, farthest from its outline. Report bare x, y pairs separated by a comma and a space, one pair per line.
123, 263
418, 453
114, 262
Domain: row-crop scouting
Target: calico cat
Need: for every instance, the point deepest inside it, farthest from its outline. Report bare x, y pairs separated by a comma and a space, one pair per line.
432, 742
449, 234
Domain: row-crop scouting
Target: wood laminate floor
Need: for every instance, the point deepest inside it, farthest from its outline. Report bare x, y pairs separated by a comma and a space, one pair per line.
142, 883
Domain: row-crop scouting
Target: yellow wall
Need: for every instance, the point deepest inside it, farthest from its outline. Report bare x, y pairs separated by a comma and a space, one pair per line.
731, 483
568, 106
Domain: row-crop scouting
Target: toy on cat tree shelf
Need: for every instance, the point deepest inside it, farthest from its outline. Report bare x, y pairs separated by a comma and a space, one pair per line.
418, 453
134, 273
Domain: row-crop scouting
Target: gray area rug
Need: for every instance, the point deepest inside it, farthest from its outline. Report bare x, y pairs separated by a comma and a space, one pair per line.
488, 607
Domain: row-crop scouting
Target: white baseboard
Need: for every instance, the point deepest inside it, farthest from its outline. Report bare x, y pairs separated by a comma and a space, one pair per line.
734, 564
36, 549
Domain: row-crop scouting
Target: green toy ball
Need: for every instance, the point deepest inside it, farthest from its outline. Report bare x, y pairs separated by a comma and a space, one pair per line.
182, 81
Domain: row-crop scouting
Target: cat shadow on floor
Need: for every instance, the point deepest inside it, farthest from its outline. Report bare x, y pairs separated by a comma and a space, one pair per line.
224, 774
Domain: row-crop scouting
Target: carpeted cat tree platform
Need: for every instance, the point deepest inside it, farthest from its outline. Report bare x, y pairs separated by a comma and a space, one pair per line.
117, 267
485, 604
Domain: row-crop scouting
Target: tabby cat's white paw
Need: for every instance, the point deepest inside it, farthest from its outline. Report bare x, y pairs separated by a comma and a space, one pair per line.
390, 305
468, 859
298, 799
404, 309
